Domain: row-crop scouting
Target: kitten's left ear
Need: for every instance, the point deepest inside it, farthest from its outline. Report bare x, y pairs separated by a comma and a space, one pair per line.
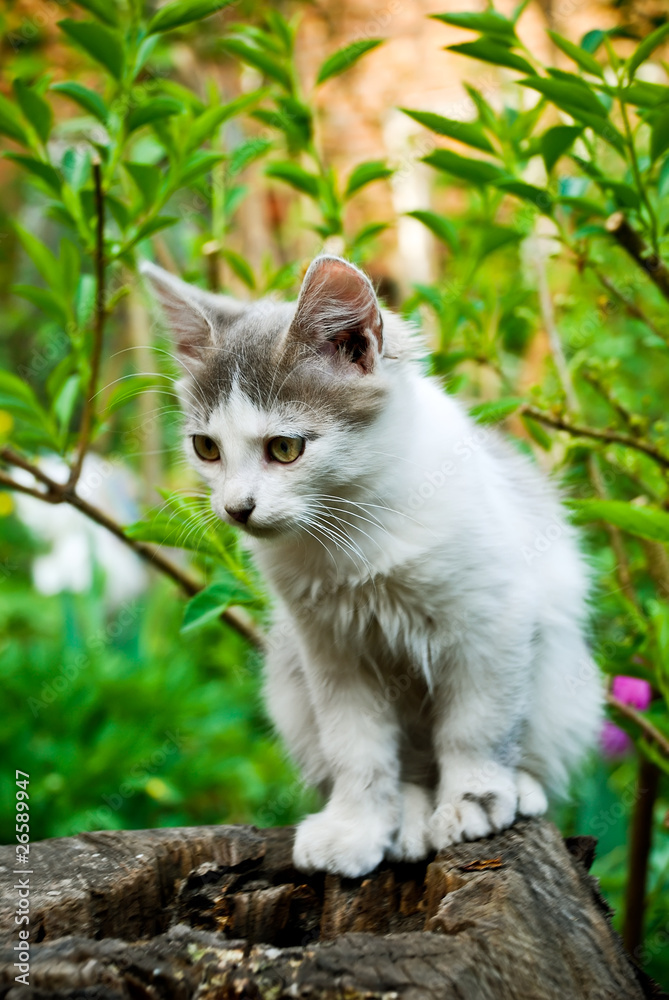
338, 313
197, 319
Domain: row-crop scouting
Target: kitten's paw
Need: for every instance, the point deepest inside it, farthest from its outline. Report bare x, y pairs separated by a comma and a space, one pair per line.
532, 799
341, 843
475, 800
412, 840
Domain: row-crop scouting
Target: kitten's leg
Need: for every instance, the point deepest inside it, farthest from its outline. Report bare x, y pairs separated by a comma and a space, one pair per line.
532, 799
412, 840
289, 706
359, 738
476, 712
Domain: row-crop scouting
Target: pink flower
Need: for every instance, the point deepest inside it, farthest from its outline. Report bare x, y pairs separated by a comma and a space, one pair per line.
632, 691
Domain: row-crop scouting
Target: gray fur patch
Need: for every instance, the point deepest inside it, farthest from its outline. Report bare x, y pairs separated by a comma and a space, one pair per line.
258, 353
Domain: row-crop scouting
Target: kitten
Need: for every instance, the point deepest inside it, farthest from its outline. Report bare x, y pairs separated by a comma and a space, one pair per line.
427, 666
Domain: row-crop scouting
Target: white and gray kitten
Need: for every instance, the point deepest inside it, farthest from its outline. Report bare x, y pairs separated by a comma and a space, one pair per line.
427, 666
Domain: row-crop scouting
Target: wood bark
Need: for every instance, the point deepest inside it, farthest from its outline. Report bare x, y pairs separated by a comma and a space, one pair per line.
216, 913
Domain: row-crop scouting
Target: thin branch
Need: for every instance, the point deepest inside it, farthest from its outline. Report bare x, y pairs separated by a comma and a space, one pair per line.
647, 728
658, 272
98, 329
237, 618
610, 436
548, 316
11, 484
632, 308
640, 845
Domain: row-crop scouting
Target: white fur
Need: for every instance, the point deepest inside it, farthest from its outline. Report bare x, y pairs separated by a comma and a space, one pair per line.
443, 591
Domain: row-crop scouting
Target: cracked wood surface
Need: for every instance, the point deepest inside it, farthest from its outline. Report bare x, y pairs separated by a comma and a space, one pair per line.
216, 913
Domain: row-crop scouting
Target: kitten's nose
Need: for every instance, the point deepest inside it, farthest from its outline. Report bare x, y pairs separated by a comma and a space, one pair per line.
241, 514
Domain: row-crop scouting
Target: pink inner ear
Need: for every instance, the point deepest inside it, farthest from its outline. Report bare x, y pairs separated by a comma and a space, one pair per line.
339, 314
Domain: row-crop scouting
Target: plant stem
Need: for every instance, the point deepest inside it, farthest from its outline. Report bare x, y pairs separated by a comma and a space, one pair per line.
658, 272
98, 329
639, 853
641, 188
632, 308
646, 727
57, 493
610, 436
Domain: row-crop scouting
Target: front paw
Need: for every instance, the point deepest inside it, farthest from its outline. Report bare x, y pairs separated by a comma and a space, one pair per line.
475, 801
343, 843
412, 840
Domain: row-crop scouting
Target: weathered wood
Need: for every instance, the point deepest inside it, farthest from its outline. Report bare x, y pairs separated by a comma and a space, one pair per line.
215, 913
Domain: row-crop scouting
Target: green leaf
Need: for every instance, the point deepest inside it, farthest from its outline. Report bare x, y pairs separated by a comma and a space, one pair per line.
470, 133
495, 411
474, 171
44, 299
442, 227
211, 602
344, 58
539, 197
205, 125
296, 176
239, 266
155, 109
76, 166
496, 237
180, 12
35, 109
9, 122
659, 137
198, 164
489, 23
537, 432
18, 398
104, 10
267, 64
65, 401
367, 233
281, 29
592, 40
644, 522
365, 173
147, 178
648, 45
246, 153
490, 51
582, 205
150, 227
556, 141
85, 98
568, 96
41, 256
100, 43
38, 168
582, 58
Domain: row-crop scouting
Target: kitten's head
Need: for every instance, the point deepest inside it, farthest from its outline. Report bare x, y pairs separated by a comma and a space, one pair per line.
278, 396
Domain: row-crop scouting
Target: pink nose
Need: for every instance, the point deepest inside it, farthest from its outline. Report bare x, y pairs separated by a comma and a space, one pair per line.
241, 514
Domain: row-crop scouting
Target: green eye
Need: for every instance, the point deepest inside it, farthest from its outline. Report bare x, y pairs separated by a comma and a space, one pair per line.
205, 448
285, 449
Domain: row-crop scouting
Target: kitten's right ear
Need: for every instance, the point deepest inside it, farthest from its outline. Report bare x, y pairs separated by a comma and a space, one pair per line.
196, 318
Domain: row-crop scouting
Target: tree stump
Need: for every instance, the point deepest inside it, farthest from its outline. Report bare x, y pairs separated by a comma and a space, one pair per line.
217, 913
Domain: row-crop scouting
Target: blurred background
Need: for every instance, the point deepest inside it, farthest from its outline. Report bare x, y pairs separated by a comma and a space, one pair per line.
231, 149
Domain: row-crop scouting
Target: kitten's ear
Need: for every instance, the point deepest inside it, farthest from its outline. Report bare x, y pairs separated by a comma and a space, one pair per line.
338, 313
196, 318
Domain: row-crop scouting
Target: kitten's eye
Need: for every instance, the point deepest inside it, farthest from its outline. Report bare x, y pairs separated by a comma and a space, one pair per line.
205, 448
285, 449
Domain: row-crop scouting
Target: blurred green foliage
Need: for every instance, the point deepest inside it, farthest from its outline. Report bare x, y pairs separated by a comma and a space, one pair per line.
141, 715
